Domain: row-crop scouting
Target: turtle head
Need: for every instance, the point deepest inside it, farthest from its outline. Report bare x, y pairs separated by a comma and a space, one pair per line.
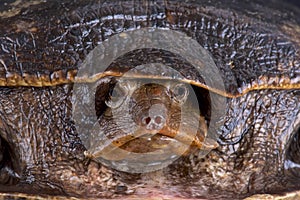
144, 115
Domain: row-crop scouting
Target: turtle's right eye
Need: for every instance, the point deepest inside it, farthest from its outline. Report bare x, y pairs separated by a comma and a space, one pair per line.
180, 93
117, 95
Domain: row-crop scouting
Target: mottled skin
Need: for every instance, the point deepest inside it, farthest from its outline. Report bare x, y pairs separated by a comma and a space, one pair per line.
41, 153
137, 111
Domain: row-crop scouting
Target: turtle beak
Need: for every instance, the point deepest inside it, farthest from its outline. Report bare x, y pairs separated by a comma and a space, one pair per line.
180, 142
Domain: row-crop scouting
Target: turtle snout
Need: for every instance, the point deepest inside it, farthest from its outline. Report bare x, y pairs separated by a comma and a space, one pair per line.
153, 123
156, 117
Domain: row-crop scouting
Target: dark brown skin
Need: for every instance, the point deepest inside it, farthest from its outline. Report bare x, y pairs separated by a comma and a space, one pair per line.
40, 149
138, 110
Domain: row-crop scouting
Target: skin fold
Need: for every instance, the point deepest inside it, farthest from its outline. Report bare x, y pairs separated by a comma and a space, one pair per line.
251, 42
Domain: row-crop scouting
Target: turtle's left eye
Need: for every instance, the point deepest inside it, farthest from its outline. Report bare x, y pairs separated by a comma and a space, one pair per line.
117, 95
180, 93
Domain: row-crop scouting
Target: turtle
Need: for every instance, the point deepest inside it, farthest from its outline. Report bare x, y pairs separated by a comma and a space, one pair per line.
149, 99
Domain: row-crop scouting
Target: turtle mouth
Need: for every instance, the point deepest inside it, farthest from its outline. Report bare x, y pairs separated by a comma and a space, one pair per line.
180, 143
148, 142
151, 141
167, 141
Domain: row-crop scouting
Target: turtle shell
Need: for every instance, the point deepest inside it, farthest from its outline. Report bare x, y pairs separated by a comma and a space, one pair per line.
240, 58
57, 61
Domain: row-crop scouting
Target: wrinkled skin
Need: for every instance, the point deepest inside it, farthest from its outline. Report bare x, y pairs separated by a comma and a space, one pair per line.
144, 117
40, 149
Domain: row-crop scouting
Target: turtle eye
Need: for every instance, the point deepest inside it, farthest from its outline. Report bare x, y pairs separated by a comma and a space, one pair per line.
180, 93
117, 95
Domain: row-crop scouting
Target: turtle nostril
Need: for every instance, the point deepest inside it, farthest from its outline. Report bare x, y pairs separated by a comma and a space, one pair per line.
158, 120
146, 120
153, 123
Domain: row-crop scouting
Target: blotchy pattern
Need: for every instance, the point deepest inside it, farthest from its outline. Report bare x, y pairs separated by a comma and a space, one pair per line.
41, 153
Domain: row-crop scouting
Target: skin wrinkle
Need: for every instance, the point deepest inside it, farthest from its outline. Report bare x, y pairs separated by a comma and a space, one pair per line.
258, 122
118, 119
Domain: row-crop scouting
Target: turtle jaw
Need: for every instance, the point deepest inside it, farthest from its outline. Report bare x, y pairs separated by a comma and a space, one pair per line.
167, 139
146, 143
166, 135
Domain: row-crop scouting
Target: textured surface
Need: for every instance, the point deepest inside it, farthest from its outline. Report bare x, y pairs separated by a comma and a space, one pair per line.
245, 45
250, 42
